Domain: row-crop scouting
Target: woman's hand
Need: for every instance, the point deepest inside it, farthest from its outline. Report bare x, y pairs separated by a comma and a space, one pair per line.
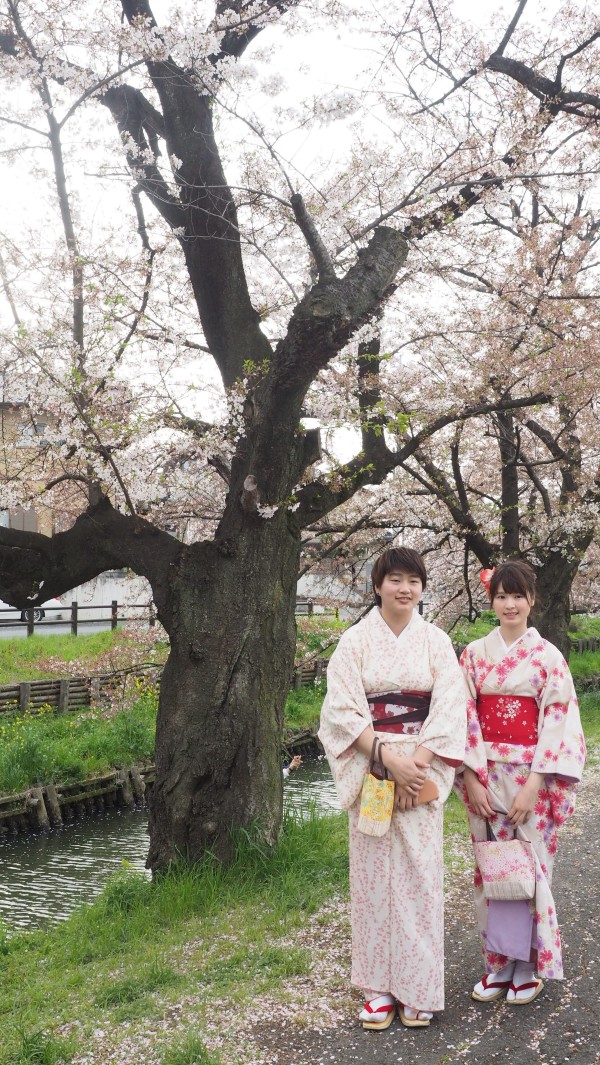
404, 799
478, 796
525, 799
409, 773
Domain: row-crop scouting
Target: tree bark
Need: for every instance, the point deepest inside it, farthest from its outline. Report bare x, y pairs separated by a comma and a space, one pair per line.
552, 611
223, 692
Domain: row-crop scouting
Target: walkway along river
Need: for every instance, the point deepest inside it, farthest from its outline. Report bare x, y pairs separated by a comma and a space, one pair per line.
45, 877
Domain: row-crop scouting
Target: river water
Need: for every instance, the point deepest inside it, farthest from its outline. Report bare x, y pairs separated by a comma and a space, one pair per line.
44, 878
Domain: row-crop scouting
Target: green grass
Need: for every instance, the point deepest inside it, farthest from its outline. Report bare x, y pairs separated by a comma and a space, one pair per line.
303, 707
52, 748
28, 658
584, 626
317, 634
464, 632
37, 1047
589, 705
585, 665
202, 931
190, 1050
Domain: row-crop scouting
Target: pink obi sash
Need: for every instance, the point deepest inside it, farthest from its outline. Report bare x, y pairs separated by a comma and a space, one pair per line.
508, 718
401, 712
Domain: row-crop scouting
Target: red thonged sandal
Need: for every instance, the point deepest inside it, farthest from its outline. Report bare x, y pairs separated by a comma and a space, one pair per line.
413, 1018
490, 990
378, 1013
533, 986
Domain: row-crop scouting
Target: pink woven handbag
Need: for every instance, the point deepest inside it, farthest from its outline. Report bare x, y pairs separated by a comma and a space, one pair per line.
507, 867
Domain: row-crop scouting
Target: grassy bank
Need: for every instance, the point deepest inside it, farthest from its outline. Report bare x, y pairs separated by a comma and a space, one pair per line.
48, 748
38, 657
179, 959
51, 748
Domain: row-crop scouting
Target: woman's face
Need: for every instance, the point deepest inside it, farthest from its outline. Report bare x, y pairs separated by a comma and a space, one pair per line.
400, 592
512, 610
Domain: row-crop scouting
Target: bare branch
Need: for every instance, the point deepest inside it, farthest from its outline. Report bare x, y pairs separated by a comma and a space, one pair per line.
311, 235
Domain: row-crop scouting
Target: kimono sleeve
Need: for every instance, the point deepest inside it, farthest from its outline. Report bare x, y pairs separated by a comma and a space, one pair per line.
345, 714
475, 755
560, 749
445, 729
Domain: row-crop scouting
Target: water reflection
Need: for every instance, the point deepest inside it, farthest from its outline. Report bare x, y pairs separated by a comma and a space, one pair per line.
46, 877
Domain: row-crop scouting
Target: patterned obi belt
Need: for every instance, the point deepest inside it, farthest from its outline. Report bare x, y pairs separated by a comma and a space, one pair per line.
402, 712
508, 718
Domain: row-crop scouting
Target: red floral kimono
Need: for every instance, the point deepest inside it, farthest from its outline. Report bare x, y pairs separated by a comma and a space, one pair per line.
515, 745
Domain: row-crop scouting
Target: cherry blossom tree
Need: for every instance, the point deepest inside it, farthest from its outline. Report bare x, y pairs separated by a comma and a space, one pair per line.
213, 282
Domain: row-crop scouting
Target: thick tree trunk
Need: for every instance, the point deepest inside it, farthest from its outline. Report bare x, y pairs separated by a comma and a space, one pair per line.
551, 613
232, 631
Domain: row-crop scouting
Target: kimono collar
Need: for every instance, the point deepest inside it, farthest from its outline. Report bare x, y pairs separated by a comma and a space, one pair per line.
415, 619
506, 647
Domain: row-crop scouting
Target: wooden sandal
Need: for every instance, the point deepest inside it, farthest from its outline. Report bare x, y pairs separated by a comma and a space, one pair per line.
378, 1014
422, 1018
501, 985
536, 985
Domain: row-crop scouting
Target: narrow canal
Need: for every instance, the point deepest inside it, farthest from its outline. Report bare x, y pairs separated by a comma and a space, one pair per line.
44, 878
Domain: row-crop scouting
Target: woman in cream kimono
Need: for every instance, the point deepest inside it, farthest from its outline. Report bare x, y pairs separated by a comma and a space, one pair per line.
525, 753
394, 665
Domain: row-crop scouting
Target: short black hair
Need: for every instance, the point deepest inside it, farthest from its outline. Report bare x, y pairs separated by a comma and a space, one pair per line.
397, 560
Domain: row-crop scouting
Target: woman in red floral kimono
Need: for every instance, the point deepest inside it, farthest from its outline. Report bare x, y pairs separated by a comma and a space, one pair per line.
525, 753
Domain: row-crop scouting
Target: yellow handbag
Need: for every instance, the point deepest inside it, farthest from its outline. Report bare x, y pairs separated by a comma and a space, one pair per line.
377, 797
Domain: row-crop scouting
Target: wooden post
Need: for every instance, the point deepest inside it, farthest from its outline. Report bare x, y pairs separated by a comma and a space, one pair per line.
310, 606
74, 610
53, 805
124, 786
63, 695
30, 621
152, 618
95, 691
298, 679
114, 614
37, 810
24, 695
137, 785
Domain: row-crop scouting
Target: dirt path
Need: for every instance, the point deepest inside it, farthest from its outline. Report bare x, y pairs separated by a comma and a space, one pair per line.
562, 1025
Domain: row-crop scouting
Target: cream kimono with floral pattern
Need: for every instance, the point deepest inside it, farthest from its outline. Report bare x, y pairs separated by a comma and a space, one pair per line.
396, 880
535, 668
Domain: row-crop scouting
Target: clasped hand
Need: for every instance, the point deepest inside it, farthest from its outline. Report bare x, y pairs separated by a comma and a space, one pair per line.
410, 775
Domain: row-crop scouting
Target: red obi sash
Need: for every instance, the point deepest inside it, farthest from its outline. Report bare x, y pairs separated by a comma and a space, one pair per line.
401, 712
508, 719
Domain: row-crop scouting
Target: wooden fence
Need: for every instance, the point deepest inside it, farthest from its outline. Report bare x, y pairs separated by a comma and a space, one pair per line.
67, 693
591, 644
